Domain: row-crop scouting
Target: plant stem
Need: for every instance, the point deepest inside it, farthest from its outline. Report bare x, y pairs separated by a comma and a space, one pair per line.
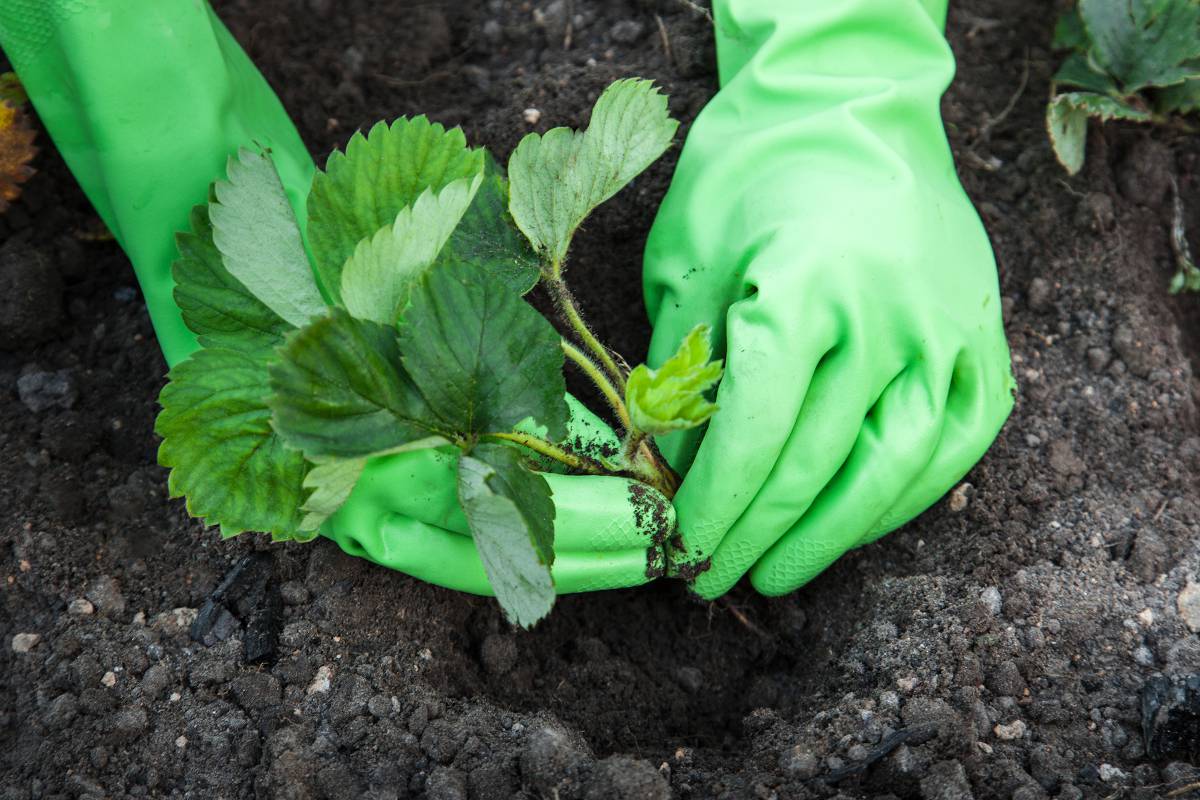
565, 302
615, 401
550, 450
643, 460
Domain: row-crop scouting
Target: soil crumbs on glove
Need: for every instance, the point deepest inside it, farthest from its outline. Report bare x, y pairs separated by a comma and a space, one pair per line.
995, 648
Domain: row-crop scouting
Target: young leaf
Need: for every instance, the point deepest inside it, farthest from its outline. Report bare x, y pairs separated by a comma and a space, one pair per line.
364, 189
338, 389
16, 151
215, 305
376, 279
1144, 42
223, 454
482, 357
259, 239
671, 398
1066, 120
489, 238
511, 516
559, 177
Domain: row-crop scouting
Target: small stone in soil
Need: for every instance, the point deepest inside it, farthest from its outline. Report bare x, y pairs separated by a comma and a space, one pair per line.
1188, 603
80, 607
320, 683
24, 642
105, 593
40, 391
1011, 731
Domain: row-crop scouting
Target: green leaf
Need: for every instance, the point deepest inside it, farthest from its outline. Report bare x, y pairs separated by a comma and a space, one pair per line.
338, 389
223, 454
364, 189
559, 177
1077, 71
215, 305
332, 480
482, 357
259, 239
1182, 98
488, 237
377, 278
671, 398
511, 516
1143, 42
1066, 120
1069, 33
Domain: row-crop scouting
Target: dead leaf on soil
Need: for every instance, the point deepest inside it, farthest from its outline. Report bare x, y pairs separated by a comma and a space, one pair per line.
16, 151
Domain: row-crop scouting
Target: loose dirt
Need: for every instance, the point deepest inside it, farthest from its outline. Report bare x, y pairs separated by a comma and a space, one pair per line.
996, 647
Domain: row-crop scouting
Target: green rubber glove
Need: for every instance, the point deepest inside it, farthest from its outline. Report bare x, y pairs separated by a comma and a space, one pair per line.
815, 221
146, 99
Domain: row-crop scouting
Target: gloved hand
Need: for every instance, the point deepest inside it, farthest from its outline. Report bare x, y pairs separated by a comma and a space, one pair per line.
146, 99
816, 223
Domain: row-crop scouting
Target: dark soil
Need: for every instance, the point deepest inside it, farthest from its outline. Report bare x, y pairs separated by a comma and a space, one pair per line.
996, 647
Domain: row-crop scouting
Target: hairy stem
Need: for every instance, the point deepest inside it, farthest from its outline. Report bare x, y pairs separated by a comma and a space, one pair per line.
565, 302
549, 450
602, 381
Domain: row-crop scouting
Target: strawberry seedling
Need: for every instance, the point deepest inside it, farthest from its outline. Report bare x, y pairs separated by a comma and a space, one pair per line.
407, 329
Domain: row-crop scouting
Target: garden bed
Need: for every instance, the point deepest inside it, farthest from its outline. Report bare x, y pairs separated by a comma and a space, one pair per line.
998, 644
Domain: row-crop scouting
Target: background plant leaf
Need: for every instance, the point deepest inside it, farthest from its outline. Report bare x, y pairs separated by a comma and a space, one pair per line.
511, 516
16, 151
481, 356
1066, 121
215, 305
377, 278
1182, 98
1069, 33
1143, 42
258, 236
556, 179
671, 398
223, 454
363, 189
1076, 71
338, 389
488, 237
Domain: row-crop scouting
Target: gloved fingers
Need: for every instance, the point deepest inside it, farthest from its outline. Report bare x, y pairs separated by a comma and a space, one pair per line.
449, 559
770, 363
893, 447
979, 403
843, 390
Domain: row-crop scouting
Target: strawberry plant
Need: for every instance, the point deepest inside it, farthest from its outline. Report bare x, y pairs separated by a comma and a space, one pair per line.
1136, 60
407, 329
